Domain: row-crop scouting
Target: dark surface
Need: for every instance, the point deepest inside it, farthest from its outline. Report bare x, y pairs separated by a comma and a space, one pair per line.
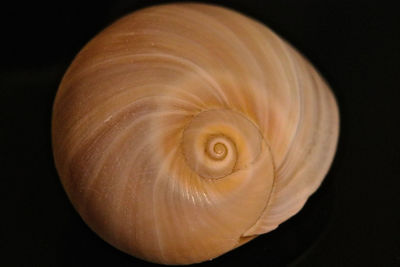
352, 220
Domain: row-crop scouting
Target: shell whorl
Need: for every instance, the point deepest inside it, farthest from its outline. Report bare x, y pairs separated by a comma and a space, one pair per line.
217, 143
182, 131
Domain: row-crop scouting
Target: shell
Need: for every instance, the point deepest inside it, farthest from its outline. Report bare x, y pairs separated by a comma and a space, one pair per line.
182, 131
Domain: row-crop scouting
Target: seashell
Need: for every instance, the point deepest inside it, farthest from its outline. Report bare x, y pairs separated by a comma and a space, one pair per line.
183, 131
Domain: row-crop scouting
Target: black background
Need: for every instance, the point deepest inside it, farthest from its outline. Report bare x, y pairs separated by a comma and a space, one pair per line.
352, 220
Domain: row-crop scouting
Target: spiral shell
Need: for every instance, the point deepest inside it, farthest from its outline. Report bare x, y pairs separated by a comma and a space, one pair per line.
184, 130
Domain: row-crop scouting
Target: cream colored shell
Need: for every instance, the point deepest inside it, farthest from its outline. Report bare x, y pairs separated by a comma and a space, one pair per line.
182, 131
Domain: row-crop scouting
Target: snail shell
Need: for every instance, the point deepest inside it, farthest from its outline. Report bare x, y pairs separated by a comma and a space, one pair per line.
182, 131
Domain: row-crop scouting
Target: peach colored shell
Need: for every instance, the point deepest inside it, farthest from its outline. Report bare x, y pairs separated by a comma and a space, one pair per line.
182, 131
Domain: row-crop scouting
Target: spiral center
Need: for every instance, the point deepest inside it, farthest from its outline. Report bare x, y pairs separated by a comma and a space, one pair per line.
216, 143
220, 149
217, 148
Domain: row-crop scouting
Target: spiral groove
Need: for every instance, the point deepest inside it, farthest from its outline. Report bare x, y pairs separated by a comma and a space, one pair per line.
219, 142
